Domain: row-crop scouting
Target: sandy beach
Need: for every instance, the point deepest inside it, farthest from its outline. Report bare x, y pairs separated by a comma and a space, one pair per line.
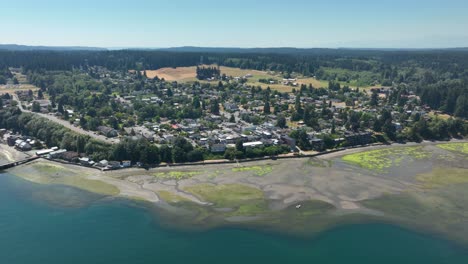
9, 154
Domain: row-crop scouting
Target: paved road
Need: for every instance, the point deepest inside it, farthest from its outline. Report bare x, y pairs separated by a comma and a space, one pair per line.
68, 125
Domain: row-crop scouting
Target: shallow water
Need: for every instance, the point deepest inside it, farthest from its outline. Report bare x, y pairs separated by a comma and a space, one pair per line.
57, 224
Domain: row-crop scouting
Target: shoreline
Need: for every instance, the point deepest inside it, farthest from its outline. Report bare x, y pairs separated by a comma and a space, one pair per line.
265, 194
137, 183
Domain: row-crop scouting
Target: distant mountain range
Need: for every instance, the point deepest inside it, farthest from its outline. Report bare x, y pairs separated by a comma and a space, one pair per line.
279, 50
16, 47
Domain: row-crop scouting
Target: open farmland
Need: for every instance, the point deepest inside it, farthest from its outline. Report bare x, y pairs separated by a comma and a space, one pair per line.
188, 74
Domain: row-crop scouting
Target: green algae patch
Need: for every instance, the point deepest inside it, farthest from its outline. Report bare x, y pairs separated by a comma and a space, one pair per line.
176, 175
455, 147
94, 186
49, 173
443, 176
244, 200
257, 170
314, 162
170, 197
443, 209
382, 159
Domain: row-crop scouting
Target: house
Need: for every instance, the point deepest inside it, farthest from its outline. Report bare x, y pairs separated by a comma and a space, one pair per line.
126, 163
317, 144
85, 161
113, 165
43, 103
56, 154
108, 131
70, 156
11, 140
44, 152
102, 163
218, 148
231, 107
24, 146
291, 142
252, 144
359, 138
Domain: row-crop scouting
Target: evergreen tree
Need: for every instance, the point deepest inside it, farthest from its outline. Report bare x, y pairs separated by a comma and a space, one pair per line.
281, 122
60, 108
36, 107
214, 108
374, 101
461, 107
266, 108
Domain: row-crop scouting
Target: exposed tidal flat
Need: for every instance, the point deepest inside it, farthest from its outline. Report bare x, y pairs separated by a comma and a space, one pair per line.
423, 187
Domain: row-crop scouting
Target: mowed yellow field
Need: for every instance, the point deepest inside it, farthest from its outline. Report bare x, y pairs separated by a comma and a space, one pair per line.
188, 74
12, 89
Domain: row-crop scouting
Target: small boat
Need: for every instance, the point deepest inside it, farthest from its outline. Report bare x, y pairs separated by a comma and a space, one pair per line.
298, 206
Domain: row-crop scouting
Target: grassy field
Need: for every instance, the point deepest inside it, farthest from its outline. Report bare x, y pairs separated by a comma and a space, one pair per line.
361, 79
23, 85
188, 74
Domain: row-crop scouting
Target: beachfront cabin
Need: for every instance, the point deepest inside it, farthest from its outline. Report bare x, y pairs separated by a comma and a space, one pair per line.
291, 142
44, 152
11, 140
113, 165
24, 146
126, 163
70, 156
85, 161
56, 154
317, 144
102, 163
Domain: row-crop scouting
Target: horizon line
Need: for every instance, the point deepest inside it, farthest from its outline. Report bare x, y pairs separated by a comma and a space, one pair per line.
233, 47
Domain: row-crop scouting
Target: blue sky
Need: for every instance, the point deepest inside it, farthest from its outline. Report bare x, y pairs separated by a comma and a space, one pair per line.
236, 23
